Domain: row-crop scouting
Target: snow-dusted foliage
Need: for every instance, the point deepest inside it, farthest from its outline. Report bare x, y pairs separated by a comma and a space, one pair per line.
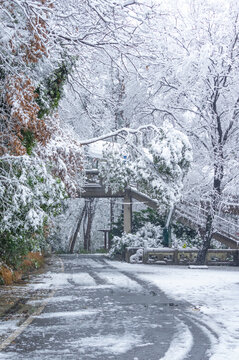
157, 165
66, 156
24, 46
29, 196
148, 236
184, 242
24, 31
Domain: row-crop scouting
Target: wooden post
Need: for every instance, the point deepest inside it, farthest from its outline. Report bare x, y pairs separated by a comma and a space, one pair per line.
105, 240
145, 256
236, 258
127, 212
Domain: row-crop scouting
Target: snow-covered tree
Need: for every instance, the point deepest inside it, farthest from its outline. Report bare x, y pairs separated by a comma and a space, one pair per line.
197, 88
30, 89
157, 163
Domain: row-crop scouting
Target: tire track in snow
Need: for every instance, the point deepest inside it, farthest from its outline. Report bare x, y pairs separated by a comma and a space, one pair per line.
197, 339
202, 336
181, 344
209, 333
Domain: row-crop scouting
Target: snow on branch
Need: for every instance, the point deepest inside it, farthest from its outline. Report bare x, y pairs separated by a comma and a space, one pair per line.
129, 2
122, 131
154, 158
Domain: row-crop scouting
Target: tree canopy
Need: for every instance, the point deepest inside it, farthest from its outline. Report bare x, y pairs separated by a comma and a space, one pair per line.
160, 75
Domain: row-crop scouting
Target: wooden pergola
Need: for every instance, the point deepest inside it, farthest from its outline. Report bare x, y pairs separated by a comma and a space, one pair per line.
96, 190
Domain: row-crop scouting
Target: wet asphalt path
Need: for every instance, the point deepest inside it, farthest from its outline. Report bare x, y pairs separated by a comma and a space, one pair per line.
98, 312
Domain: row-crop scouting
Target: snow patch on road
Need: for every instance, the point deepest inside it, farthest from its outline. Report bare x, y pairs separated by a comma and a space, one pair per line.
105, 286
83, 279
79, 313
110, 343
181, 344
59, 280
119, 280
92, 263
53, 300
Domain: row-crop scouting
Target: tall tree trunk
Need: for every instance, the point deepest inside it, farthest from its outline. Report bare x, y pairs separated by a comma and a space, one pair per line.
112, 219
217, 141
207, 237
89, 217
78, 225
213, 207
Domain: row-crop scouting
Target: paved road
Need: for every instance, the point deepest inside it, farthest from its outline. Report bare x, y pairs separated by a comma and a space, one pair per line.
99, 312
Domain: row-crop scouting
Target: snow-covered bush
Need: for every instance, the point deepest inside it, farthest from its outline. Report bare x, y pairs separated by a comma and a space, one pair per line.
149, 235
29, 197
185, 242
183, 237
195, 243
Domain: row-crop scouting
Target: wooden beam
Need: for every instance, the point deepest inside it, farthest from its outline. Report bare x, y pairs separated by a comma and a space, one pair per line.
99, 192
127, 212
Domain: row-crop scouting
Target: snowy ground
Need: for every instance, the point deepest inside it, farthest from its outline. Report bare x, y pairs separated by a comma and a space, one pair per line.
213, 292
99, 309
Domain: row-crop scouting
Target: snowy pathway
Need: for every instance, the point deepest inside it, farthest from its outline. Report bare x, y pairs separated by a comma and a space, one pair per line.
108, 310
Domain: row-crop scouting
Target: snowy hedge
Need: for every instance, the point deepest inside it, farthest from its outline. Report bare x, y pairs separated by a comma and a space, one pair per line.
29, 196
149, 235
